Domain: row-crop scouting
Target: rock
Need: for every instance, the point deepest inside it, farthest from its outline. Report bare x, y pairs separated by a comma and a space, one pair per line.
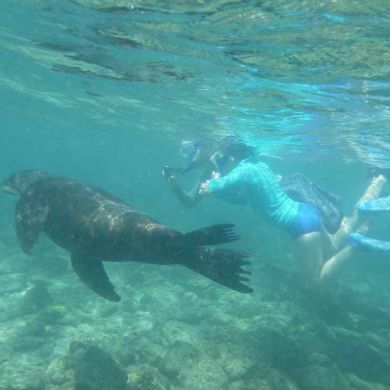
235, 354
180, 356
144, 351
177, 331
35, 299
192, 369
206, 373
237, 367
33, 335
354, 353
283, 351
96, 369
59, 376
12, 282
142, 377
320, 374
32, 328
265, 377
23, 372
356, 383
51, 315
28, 343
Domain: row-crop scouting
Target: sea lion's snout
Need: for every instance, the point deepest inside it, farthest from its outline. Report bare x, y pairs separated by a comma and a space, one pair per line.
8, 188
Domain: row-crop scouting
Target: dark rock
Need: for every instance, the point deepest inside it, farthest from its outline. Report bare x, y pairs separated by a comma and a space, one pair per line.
28, 343
51, 315
36, 299
283, 351
96, 369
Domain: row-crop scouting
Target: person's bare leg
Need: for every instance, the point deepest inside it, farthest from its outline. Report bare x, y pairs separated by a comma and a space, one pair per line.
332, 266
309, 248
349, 224
308, 251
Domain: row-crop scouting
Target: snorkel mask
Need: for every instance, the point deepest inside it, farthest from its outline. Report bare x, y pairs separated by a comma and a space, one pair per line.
190, 151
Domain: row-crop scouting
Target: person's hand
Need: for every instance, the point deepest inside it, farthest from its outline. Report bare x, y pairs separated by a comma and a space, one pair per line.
203, 189
167, 173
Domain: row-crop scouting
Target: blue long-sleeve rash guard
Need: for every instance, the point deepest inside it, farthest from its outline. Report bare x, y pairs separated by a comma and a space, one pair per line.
255, 184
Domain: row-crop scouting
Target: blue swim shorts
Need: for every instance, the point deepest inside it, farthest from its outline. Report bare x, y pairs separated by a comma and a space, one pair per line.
308, 220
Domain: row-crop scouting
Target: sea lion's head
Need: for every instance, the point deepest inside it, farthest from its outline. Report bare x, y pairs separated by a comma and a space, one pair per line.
18, 182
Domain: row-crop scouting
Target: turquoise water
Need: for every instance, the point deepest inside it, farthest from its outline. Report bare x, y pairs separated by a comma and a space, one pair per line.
104, 91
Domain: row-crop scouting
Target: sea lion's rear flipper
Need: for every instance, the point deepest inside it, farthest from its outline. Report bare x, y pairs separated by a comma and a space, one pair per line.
224, 266
211, 235
30, 217
91, 271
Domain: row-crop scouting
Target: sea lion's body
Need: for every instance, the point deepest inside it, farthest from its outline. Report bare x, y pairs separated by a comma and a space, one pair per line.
81, 217
96, 226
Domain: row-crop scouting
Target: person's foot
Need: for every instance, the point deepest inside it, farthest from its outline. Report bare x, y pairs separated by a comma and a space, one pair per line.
377, 171
374, 205
357, 240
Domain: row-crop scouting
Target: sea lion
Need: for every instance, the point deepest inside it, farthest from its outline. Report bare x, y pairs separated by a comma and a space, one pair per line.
95, 226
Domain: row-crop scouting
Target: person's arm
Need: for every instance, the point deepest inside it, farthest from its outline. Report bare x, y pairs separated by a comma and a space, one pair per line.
231, 181
187, 198
170, 171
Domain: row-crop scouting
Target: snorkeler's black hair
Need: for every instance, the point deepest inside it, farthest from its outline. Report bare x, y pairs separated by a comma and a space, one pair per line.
237, 149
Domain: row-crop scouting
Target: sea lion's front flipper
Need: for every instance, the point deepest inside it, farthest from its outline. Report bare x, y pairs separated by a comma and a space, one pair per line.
30, 217
91, 271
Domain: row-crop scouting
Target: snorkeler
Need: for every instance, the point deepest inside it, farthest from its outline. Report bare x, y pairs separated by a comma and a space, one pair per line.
231, 151
252, 182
